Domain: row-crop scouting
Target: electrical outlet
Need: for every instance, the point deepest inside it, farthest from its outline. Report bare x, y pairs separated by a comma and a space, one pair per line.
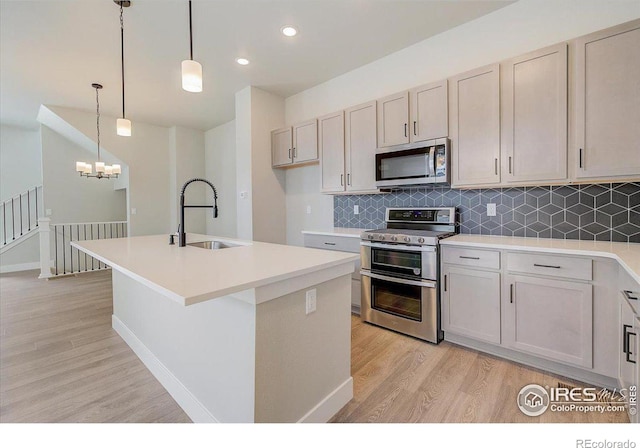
48, 212
311, 301
491, 209
244, 195
356, 209
308, 209
134, 211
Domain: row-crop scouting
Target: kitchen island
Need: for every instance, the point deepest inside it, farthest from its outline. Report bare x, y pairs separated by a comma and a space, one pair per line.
229, 332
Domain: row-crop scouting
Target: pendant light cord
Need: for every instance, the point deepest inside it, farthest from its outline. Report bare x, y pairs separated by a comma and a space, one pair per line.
98, 121
190, 32
122, 53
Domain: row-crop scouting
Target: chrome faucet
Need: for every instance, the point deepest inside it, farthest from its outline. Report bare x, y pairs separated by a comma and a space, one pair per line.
182, 235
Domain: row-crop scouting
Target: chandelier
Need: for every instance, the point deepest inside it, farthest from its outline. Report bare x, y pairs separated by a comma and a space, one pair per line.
102, 170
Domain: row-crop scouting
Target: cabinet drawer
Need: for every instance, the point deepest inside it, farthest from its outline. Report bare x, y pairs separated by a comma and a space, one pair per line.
471, 257
340, 243
551, 265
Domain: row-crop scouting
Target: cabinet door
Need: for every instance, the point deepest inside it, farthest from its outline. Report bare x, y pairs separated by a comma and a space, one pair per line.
549, 318
429, 112
360, 142
331, 143
628, 347
471, 303
475, 126
534, 116
281, 147
608, 103
305, 141
393, 120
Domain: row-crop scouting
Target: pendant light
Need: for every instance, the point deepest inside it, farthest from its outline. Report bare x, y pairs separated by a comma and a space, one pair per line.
102, 171
123, 125
191, 70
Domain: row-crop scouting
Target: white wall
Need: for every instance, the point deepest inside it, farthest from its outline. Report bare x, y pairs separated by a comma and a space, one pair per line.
220, 169
70, 197
187, 161
146, 153
261, 216
20, 161
516, 29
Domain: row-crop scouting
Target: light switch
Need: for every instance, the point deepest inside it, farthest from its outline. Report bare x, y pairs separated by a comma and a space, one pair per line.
310, 301
48, 212
491, 209
356, 209
134, 211
308, 209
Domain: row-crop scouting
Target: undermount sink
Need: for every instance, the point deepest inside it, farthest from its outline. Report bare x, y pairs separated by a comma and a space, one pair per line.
212, 245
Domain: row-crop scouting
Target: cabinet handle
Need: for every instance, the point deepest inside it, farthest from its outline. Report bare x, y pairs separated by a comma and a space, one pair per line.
469, 258
330, 244
295, 153
290, 153
348, 178
511, 293
580, 158
629, 295
626, 349
509, 164
414, 128
496, 166
546, 266
445, 282
342, 180
405, 129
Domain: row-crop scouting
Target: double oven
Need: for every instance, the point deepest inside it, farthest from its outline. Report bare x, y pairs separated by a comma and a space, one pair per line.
400, 271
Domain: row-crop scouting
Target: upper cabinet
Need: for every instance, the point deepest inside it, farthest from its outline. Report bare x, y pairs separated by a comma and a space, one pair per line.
534, 116
331, 145
360, 147
607, 103
429, 112
296, 145
414, 116
475, 126
393, 120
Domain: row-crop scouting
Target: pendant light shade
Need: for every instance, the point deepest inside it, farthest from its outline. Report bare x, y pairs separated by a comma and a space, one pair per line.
191, 70
123, 127
191, 76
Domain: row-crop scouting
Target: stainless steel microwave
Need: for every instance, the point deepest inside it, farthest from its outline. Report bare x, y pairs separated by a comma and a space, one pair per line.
425, 164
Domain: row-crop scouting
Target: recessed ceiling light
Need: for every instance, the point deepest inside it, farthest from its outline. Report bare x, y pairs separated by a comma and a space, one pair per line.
242, 61
289, 31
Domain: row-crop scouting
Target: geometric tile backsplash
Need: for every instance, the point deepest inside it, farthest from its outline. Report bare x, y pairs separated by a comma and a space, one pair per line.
604, 212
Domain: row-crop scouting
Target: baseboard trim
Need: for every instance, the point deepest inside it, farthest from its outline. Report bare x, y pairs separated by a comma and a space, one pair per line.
19, 267
185, 399
330, 405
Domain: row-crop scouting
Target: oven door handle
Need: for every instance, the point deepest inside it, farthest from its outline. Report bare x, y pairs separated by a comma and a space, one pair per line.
399, 247
399, 280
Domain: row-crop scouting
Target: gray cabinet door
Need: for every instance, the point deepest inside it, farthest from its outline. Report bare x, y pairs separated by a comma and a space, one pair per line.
607, 103
549, 318
331, 144
429, 112
393, 119
534, 116
281, 147
474, 116
360, 146
471, 303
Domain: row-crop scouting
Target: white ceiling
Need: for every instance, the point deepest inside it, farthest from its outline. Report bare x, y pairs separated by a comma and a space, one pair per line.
51, 51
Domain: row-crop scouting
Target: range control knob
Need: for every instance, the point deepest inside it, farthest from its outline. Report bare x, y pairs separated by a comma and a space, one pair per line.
407, 239
394, 238
381, 237
420, 240
370, 237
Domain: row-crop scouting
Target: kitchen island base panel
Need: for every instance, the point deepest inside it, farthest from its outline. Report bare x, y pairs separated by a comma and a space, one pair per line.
227, 360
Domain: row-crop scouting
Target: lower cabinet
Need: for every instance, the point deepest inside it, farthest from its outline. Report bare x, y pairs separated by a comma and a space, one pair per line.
629, 371
471, 303
549, 318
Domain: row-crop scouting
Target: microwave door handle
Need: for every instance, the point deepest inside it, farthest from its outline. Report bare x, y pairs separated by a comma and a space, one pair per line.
432, 162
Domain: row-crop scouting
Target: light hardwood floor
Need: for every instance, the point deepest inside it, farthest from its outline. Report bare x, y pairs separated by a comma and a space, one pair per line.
60, 361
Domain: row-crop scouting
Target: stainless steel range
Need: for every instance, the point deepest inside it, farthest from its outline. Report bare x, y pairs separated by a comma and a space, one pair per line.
400, 271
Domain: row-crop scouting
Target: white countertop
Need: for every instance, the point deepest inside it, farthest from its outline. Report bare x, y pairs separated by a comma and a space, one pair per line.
337, 231
627, 254
191, 275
